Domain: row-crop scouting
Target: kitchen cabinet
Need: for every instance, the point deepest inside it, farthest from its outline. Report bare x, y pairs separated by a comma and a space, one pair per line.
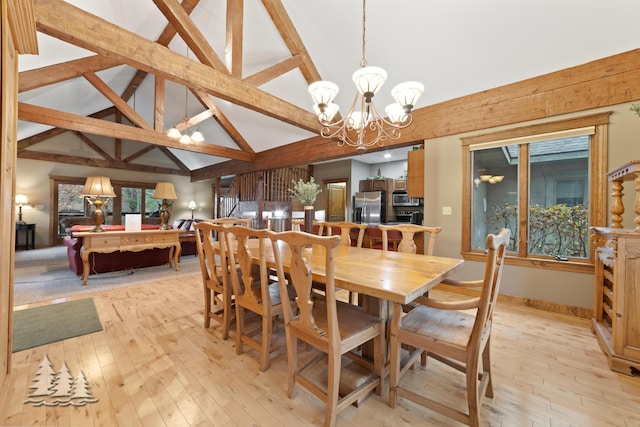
399, 185
415, 173
616, 317
384, 184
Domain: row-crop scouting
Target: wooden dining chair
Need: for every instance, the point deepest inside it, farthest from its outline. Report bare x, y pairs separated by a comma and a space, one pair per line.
253, 291
448, 332
408, 231
318, 227
345, 229
218, 292
333, 328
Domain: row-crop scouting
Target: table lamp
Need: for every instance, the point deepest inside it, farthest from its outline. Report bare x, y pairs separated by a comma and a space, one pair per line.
98, 190
164, 191
192, 205
21, 199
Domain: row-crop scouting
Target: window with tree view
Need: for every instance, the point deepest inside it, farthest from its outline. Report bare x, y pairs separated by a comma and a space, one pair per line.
541, 186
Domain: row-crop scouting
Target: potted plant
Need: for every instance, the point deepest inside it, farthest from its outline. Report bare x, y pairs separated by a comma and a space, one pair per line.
306, 193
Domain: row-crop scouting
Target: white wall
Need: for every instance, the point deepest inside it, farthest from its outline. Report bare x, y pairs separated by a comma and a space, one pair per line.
443, 187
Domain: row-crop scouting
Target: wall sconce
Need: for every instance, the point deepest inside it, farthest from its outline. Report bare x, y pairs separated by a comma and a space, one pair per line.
95, 189
192, 205
164, 191
21, 200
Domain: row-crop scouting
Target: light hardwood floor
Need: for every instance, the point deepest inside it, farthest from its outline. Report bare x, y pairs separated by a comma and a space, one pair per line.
154, 365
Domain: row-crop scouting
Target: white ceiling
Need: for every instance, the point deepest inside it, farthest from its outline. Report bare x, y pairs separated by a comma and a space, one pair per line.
454, 48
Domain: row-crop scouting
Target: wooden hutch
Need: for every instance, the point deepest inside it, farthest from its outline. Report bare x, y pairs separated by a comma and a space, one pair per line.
616, 321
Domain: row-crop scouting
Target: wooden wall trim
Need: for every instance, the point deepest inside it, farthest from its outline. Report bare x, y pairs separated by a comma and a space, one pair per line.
8, 136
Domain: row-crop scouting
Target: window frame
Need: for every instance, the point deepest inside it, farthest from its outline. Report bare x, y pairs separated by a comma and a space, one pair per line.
598, 160
115, 207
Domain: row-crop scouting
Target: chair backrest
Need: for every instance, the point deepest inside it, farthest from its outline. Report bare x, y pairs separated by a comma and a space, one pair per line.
496, 249
230, 221
211, 266
407, 244
297, 224
243, 282
345, 228
294, 249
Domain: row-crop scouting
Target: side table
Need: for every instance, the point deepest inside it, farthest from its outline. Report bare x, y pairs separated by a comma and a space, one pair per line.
30, 235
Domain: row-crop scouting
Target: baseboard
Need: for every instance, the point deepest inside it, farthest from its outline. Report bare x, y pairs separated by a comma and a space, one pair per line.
581, 312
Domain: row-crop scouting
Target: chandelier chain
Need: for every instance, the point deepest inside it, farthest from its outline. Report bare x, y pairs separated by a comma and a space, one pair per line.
363, 61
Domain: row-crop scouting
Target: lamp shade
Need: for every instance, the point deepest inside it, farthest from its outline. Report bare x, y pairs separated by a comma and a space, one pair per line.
406, 94
21, 199
323, 92
164, 190
98, 186
369, 79
192, 205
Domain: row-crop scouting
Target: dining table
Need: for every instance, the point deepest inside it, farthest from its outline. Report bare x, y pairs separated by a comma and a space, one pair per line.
380, 277
386, 280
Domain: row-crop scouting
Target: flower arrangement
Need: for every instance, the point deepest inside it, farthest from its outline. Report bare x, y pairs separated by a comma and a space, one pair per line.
305, 192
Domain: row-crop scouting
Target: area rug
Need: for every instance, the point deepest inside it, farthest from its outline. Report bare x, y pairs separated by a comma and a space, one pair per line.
44, 275
33, 327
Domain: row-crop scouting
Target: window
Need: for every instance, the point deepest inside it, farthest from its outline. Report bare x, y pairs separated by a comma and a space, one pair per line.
546, 183
131, 197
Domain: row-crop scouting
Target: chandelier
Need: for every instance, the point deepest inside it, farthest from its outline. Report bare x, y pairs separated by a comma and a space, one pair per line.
174, 132
363, 126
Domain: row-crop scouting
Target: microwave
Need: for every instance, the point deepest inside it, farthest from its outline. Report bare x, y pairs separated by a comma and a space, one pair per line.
402, 199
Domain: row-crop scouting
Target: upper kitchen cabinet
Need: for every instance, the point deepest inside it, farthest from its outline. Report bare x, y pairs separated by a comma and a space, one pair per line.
415, 173
383, 184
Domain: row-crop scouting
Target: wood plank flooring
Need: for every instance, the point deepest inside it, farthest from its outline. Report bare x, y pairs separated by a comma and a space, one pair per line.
155, 365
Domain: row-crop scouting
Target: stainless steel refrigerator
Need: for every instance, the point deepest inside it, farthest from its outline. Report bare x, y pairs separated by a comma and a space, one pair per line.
370, 207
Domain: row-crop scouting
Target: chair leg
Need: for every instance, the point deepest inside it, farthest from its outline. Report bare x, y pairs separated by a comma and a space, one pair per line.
226, 314
473, 400
292, 365
486, 367
333, 387
208, 296
265, 348
239, 328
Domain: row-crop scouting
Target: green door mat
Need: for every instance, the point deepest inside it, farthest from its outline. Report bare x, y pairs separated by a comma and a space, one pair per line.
33, 327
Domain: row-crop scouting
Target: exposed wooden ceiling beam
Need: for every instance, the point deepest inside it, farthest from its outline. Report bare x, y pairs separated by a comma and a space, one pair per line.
112, 164
139, 153
70, 121
193, 37
175, 160
117, 101
43, 136
292, 39
86, 140
268, 74
23, 26
59, 19
40, 77
222, 120
233, 51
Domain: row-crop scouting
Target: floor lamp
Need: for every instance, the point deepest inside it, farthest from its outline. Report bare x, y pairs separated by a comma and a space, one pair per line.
166, 192
98, 190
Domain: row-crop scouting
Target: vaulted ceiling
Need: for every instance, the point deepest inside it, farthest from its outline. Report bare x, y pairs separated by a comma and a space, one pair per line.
110, 77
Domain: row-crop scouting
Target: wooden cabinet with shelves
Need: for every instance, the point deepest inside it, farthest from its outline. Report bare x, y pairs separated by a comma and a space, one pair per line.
616, 320
415, 173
